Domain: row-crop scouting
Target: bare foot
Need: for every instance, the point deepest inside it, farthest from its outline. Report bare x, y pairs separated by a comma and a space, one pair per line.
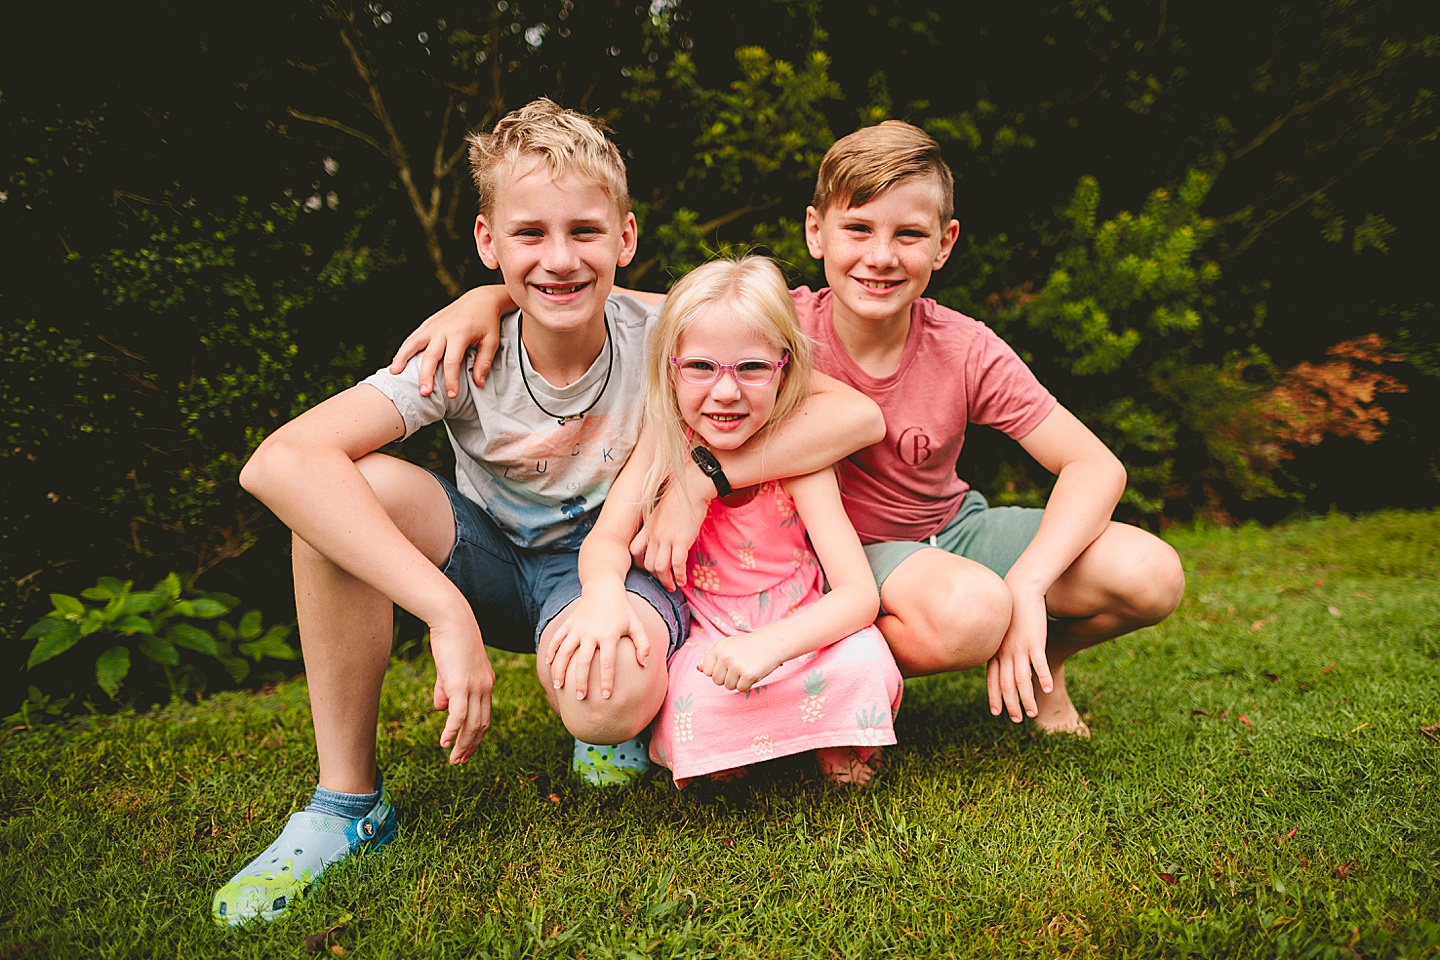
1069, 724
1055, 714
847, 765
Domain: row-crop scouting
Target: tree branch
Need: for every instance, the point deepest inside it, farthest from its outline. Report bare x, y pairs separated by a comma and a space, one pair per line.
1274, 217
342, 127
1300, 109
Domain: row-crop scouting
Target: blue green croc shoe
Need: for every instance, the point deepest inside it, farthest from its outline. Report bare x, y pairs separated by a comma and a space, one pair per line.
612, 766
310, 844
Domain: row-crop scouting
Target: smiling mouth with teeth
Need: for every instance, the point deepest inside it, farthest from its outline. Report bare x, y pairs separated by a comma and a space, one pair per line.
879, 284
560, 290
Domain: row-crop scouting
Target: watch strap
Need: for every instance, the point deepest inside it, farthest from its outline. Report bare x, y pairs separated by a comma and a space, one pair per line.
709, 466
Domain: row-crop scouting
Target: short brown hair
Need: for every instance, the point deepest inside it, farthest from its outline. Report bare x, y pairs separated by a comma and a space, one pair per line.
561, 139
863, 165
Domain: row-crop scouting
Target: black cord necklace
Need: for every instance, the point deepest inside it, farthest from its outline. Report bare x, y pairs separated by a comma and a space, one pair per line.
609, 368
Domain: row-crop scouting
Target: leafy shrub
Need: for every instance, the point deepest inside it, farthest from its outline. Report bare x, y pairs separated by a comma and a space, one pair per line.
176, 632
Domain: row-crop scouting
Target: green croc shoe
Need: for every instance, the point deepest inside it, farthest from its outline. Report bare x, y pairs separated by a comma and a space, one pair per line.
607, 766
310, 843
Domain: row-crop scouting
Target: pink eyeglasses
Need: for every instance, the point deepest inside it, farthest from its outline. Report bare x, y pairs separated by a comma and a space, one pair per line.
702, 371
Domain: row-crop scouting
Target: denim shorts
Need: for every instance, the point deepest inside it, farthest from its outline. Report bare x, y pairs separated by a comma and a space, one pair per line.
515, 592
993, 536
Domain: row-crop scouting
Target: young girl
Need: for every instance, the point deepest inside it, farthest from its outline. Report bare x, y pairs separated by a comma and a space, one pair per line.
774, 665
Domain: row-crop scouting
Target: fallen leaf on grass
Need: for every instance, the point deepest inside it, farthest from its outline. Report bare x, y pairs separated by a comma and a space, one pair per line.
1272, 677
1245, 720
316, 942
1223, 714
553, 798
1198, 713
1168, 878
1258, 625
728, 843
1329, 668
1290, 835
338, 950
1334, 610
1342, 872
1429, 731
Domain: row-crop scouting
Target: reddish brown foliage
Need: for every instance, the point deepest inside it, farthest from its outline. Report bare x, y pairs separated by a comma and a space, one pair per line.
1335, 398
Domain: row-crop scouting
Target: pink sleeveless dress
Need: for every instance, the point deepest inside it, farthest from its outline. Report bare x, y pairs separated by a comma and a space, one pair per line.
750, 566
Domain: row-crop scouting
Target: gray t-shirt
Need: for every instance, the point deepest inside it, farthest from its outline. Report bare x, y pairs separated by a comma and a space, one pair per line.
542, 482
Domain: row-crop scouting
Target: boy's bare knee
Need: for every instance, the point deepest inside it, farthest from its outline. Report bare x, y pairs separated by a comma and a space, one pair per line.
960, 619
1164, 580
1151, 585
976, 614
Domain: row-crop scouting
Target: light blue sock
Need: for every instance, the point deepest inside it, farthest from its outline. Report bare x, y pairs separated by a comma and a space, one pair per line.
348, 806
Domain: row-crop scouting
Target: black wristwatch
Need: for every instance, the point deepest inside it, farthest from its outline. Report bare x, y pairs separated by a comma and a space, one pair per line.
709, 466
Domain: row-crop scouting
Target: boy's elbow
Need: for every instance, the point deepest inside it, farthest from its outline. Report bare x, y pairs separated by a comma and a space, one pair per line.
871, 421
1119, 478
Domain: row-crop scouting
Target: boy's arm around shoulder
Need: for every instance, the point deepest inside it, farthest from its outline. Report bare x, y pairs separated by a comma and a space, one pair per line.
835, 421
603, 615
471, 319
743, 660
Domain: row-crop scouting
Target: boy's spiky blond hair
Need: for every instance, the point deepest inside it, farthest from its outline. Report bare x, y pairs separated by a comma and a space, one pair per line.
863, 165
561, 139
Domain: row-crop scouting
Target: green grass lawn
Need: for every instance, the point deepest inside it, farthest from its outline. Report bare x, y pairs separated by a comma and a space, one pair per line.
1260, 783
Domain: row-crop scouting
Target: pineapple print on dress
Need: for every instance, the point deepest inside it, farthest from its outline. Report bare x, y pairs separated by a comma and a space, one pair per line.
812, 708
684, 718
872, 726
786, 507
703, 573
811, 700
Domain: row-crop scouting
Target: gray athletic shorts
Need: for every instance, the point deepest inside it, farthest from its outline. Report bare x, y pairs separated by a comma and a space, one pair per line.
515, 592
993, 536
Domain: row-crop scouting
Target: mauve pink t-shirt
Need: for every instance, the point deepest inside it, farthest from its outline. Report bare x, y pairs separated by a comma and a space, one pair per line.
954, 372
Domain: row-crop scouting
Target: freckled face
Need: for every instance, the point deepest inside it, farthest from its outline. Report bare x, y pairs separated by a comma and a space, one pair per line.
557, 242
879, 256
726, 413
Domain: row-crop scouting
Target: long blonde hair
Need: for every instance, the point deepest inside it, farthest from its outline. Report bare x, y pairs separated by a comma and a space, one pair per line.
753, 291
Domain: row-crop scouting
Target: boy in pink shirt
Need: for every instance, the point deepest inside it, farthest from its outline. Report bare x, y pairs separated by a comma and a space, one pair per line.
961, 583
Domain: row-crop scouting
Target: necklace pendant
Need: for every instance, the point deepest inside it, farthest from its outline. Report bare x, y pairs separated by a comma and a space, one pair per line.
574, 416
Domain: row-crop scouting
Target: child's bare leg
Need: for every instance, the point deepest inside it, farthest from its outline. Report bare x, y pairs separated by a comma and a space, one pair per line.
637, 692
853, 766
345, 629
346, 625
942, 613
1125, 580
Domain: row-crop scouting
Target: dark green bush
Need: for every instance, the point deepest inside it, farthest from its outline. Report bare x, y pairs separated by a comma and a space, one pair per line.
171, 634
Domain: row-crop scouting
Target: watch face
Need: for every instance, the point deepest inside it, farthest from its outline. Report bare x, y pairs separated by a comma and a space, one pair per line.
709, 466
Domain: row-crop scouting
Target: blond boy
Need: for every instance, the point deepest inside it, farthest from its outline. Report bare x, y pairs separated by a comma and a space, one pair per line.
537, 448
